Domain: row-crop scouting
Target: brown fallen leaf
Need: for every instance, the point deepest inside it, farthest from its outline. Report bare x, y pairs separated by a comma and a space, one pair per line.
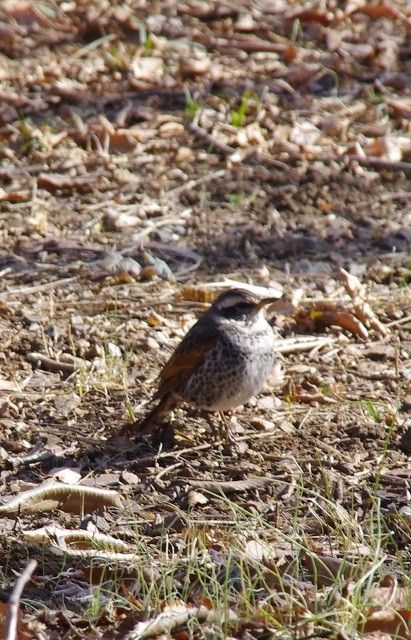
352, 284
317, 315
325, 569
309, 15
177, 614
22, 195
300, 396
400, 107
395, 622
23, 631
382, 10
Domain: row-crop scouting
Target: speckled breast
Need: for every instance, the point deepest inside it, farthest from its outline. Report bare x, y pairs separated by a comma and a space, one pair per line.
233, 371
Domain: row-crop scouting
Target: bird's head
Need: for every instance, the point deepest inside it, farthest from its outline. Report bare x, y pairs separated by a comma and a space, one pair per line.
240, 304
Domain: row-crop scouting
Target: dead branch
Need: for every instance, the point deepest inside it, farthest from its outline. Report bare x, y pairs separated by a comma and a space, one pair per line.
220, 147
373, 163
43, 362
14, 601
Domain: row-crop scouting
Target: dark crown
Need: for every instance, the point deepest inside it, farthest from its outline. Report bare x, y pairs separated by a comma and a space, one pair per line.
236, 298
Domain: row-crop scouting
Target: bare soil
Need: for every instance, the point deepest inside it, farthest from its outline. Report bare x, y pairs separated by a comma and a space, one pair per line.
97, 156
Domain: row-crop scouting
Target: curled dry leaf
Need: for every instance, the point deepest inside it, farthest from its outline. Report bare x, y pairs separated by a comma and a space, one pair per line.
208, 291
54, 495
192, 68
385, 147
380, 9
352, 284
400, 107
366, 314
80, 543
317, 315
395, 622
175, 615
389, 612
66, 475
361, 308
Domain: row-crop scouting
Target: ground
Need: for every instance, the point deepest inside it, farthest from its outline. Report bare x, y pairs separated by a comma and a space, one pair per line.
149, 151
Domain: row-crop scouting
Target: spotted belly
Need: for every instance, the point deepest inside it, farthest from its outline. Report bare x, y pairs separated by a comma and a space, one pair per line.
229, 377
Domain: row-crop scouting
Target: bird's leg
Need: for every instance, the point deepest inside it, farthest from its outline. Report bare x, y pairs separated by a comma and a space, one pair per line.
225, 430
215, 430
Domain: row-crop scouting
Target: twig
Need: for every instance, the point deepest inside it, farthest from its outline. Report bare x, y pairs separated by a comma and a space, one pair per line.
220, 147
174, 193
162, 222
14, 601
373, 163
43, 362
33, 197
93, 45
42, 287
395, 323
7, 172
394, 196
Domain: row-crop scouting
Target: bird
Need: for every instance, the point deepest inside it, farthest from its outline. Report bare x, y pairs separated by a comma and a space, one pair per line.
223, 360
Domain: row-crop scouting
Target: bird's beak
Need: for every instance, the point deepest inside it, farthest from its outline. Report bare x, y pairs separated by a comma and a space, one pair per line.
265, 302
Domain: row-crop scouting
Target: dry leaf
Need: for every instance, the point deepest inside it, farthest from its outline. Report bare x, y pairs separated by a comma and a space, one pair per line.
325, 569
68, 476
208, 291
396, 622
317, 315
385, 147
175, 615
364, 312
23, 631
352, 284
53, 495
81, 543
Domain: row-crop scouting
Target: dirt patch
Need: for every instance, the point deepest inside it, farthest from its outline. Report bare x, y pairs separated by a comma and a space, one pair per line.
137, 162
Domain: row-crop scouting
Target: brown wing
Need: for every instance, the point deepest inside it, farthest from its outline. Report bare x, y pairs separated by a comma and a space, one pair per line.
187, 357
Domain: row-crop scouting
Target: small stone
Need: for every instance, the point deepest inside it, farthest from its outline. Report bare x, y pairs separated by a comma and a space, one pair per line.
151, 343
380, 352
244, 22
262, 424
287, 427
130, 478
195, 498
113, 350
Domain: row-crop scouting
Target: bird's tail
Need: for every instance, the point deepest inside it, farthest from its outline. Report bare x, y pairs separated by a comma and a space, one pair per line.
154, 417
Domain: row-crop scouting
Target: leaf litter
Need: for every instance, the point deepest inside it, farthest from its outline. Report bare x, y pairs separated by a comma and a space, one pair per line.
141, 173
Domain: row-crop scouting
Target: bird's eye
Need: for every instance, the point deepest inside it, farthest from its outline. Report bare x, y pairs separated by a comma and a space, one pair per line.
237, 310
